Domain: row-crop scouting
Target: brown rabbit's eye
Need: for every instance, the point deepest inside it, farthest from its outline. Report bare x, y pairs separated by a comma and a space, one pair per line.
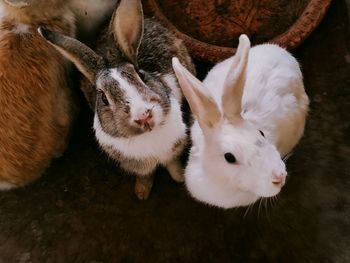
104, 99
230, 158
263, 135
141, 75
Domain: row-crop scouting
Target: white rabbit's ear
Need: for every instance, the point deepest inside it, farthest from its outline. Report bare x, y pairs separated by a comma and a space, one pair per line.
84, 58
235, 81
127, 28
198, 96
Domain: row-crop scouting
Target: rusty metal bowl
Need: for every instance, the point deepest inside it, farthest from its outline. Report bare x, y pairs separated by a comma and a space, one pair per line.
210, 28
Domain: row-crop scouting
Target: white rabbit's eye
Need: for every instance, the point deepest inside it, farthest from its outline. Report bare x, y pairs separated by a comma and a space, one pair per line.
230, 158
104, 99
263, 135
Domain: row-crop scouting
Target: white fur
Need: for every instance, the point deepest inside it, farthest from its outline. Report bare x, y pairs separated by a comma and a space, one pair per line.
21, 28
218, 191
273, 85
171, 82
2, 10
274, 100
209, 178
155, 144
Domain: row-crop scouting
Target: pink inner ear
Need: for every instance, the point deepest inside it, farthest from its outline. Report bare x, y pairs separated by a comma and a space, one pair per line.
235, 81
198, 96
127, 27
236, 120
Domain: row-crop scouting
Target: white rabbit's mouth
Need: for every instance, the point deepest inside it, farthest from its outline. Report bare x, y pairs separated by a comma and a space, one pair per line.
272, 188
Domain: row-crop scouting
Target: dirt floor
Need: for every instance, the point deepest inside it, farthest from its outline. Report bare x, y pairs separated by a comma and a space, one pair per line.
84, 208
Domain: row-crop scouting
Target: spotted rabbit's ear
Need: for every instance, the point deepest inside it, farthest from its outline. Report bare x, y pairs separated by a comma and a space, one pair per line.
84, 58
18, 3
198, 96
235, 81
127, 27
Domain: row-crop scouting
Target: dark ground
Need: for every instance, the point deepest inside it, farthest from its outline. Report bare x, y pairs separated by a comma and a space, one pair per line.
84, 209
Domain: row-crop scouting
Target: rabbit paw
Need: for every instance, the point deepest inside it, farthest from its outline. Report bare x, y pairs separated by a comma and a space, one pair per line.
143, 187
176, 171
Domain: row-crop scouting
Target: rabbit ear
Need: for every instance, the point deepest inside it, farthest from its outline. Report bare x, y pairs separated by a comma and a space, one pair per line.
18, 3
127, 28
198, 96
235, 81
85, 59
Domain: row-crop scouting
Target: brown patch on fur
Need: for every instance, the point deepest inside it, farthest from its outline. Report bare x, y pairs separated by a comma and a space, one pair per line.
177, 146
35, 104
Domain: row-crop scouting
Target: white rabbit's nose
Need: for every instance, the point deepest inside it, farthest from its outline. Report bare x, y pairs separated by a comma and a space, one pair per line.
279, 179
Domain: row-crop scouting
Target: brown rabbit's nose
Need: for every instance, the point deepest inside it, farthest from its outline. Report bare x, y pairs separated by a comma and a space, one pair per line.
278, 179
145, 120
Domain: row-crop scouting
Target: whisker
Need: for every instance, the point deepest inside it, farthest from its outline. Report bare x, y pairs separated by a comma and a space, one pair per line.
271, 201
261, 198
246, 211
287, 156
274, 201
266, 211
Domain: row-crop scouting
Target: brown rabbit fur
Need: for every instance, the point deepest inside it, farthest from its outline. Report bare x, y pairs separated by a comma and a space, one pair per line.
36, 107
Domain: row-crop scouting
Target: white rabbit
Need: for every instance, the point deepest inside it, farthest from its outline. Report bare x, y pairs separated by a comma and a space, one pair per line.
250, 111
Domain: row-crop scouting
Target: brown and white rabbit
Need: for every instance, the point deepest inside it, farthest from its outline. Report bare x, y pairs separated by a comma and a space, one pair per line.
133, 92
250, 112
36, 107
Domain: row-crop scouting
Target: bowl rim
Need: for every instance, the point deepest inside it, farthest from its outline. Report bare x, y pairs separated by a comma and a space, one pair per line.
291, 38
